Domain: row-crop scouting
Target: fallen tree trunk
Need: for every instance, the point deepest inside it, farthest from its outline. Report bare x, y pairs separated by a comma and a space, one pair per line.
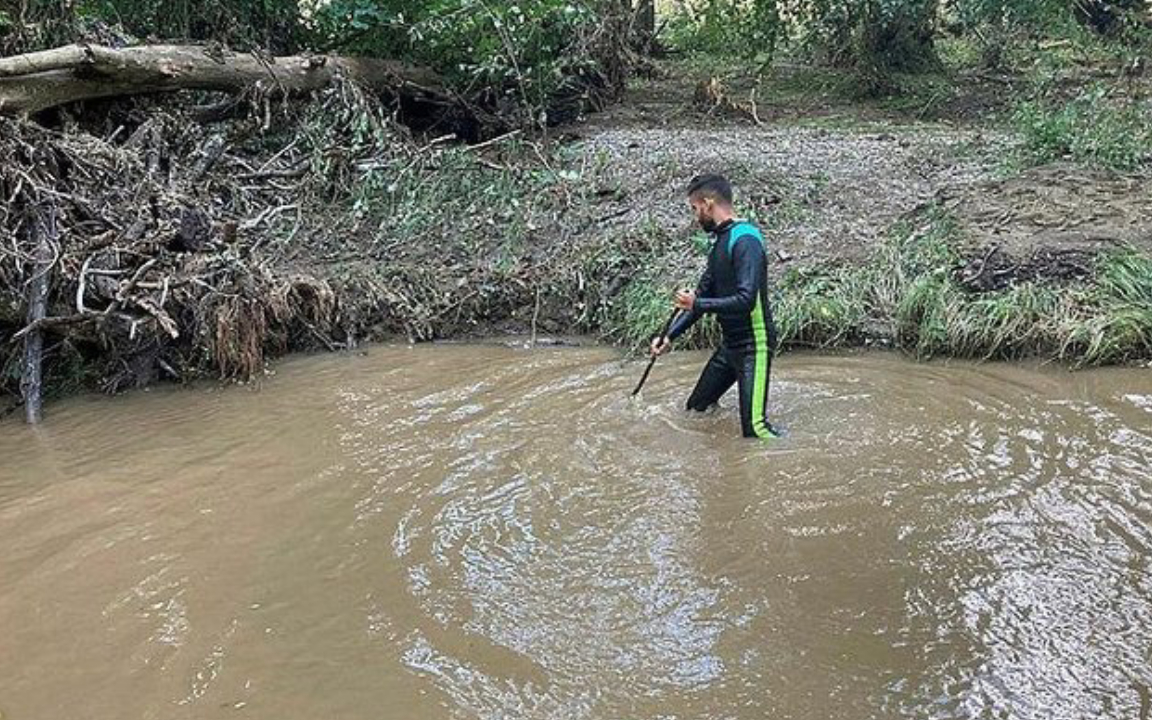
42, 80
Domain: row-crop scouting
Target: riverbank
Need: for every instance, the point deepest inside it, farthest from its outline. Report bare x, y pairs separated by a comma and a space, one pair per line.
190, 249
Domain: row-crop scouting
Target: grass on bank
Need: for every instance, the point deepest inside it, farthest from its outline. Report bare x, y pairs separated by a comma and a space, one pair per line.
1098, 127
907, 296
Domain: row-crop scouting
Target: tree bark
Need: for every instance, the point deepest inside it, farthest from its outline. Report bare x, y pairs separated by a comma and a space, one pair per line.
645, 25
43, 229
42, 80
1107, 17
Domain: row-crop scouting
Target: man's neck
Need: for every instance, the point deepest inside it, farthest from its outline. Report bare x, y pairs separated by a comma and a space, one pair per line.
724, 224
722, 218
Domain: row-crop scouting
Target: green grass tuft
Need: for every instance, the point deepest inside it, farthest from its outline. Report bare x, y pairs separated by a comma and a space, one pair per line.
1094, 128
819, 307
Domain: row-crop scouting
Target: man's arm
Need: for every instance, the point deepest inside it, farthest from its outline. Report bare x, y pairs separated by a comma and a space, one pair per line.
748, 261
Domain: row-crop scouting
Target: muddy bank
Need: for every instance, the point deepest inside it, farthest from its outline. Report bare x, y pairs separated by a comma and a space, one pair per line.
1059, 207
186, 249
820, 194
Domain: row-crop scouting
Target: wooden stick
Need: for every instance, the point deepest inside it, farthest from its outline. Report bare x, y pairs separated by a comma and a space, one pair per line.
43, 229
647, 370
46, 323
493, 141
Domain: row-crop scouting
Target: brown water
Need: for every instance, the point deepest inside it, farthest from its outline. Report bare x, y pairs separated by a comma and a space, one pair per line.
489, 532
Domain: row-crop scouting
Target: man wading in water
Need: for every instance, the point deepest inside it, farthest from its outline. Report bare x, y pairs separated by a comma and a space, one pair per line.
735, 288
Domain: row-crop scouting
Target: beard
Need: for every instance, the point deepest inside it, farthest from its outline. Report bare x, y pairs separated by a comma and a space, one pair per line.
708, 224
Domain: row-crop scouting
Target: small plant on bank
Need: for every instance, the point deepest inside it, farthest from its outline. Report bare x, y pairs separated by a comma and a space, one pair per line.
1093, 128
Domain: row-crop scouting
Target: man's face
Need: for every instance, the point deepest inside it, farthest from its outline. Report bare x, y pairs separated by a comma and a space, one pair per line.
702, 208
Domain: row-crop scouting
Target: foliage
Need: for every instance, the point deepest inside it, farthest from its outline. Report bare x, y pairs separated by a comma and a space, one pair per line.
519, 58
268, 24
876, 37
1094, 128
994, 23
865, 34
29, 25
522, 53
745, 29
33, 24
818, 306
1122, 329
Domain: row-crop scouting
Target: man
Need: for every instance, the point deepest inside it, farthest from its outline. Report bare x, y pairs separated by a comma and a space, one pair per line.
735, 288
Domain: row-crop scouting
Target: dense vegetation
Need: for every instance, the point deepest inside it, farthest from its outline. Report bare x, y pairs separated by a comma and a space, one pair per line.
531, 49
518, 57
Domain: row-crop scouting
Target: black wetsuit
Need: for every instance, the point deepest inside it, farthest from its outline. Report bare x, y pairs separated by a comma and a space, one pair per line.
735, 288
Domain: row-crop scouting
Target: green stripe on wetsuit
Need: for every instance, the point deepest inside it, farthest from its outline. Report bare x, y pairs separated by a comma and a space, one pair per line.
758, 389
760, 335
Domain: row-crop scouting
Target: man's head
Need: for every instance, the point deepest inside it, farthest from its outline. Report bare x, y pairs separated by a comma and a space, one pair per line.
710, 197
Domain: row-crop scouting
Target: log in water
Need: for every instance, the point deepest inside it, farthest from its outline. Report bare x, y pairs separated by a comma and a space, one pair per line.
491, 532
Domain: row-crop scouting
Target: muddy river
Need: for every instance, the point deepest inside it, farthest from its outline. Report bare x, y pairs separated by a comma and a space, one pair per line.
492, 532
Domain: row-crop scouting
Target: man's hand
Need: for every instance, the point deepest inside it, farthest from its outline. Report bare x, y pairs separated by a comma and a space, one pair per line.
685, 300
660, 345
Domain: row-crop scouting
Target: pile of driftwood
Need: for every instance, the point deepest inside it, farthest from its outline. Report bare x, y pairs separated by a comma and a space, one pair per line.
123, 252
145, 237
145, 233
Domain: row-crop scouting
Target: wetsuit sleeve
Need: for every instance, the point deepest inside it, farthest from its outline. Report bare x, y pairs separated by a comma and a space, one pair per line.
686, 320
748, 262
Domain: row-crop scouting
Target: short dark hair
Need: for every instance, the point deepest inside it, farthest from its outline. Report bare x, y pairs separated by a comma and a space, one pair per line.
716, 186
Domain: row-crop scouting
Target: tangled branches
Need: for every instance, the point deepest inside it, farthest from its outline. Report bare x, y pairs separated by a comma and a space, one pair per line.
169, 236
190, 247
